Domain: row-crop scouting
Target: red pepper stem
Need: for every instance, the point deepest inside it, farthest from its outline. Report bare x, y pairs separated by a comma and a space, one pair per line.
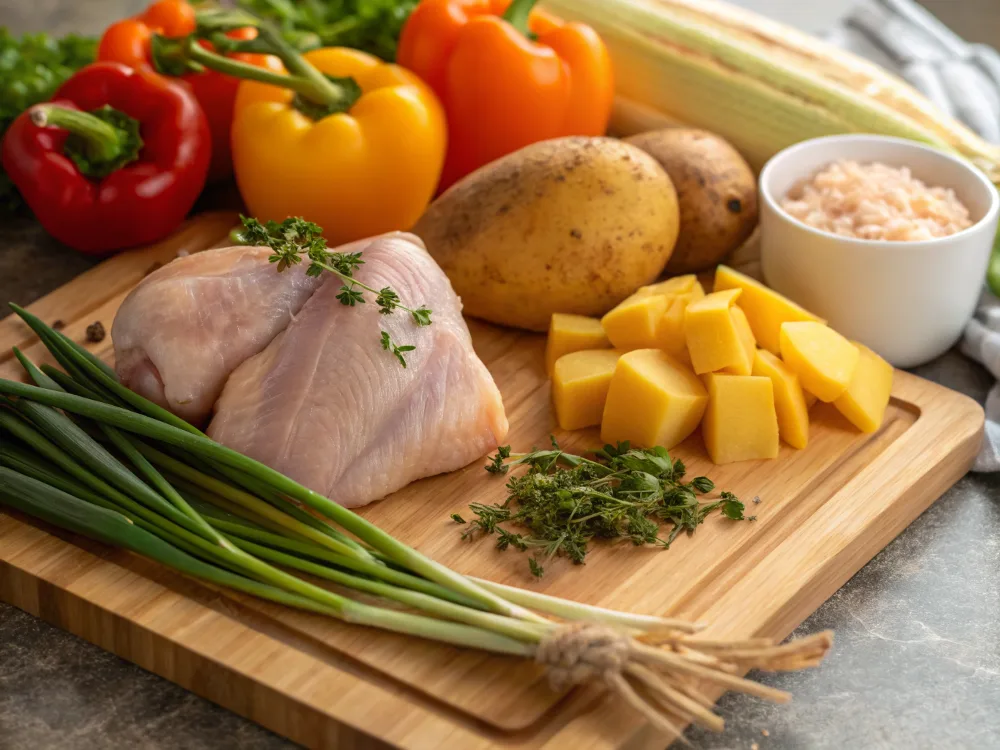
517, 16
103, 142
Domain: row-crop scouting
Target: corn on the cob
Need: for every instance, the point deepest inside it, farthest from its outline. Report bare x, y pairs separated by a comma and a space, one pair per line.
759, 84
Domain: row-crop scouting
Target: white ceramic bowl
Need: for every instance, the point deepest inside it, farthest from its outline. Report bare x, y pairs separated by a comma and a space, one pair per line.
909, 301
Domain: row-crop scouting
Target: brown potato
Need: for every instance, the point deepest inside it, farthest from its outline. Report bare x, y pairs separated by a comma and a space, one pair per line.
716, 191
570, 225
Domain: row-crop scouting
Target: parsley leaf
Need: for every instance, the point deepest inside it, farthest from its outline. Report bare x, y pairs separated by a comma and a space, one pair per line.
496, 465
350, 295
398, 351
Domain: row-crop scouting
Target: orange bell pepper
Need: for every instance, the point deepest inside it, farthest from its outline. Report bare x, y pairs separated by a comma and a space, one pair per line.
506, 78
130, 41
342, 139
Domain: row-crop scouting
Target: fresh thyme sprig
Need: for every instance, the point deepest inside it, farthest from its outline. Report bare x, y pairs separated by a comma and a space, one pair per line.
398, 351
566, 500
295, 237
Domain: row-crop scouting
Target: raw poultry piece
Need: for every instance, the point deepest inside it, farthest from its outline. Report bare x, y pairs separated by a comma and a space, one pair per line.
326, 405
186, 326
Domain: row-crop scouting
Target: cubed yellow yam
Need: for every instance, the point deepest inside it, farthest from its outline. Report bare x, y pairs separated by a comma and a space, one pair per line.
810, 398
765, 308
635, 323
572, 333
678, 292
747, 341
715, 340
823, 359
675, 285
866, 398
653, 400
687, 288
670, 336
580, 383
696, 293
789, 398
740, 421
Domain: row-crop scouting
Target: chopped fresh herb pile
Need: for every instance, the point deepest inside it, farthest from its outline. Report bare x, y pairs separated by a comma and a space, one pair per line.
564, 501
295, 237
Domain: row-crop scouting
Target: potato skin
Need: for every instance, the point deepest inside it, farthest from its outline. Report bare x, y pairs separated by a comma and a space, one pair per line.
570, 225
716, 191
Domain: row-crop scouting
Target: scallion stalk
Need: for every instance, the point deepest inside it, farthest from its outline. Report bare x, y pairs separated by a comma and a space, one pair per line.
62, 509
88, 366
331, 539
46, 377
355, 524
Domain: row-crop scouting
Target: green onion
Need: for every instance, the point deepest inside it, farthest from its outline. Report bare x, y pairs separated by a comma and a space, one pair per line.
65, 511
353, 523
327, 536
87, 365
53, 379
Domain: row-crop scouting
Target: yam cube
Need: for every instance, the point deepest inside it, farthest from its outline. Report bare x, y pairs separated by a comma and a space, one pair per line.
687, 288
676, 285
810, 398
696, 293
678, 292
747, 341
715, 338
740, 421
866, 398
670, 336
789, 398
580, 383
572, 333
653, 400
823, 359
765, 308
635, 323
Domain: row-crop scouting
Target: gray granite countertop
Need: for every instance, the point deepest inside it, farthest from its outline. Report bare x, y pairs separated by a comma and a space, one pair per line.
916, 662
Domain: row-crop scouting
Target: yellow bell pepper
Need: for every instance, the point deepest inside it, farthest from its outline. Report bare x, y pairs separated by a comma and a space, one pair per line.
341, 139
370, 170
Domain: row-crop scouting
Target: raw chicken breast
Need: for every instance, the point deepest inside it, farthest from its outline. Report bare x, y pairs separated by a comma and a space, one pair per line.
186, 326
326, 405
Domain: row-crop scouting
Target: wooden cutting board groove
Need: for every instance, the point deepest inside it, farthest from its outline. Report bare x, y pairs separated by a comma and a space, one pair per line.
824, 512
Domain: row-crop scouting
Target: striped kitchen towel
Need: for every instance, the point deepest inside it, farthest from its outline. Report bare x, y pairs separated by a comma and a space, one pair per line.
982, 343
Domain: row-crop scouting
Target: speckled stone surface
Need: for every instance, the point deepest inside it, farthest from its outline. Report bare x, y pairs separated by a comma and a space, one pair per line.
916, 662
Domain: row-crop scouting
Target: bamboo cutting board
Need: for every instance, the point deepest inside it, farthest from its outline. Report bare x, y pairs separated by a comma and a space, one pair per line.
823, 513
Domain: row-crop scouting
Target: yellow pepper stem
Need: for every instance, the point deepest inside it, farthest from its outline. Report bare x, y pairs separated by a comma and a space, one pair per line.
319, 95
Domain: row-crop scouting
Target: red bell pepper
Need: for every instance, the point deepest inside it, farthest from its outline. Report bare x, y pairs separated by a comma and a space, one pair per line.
116, 159
131, 42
